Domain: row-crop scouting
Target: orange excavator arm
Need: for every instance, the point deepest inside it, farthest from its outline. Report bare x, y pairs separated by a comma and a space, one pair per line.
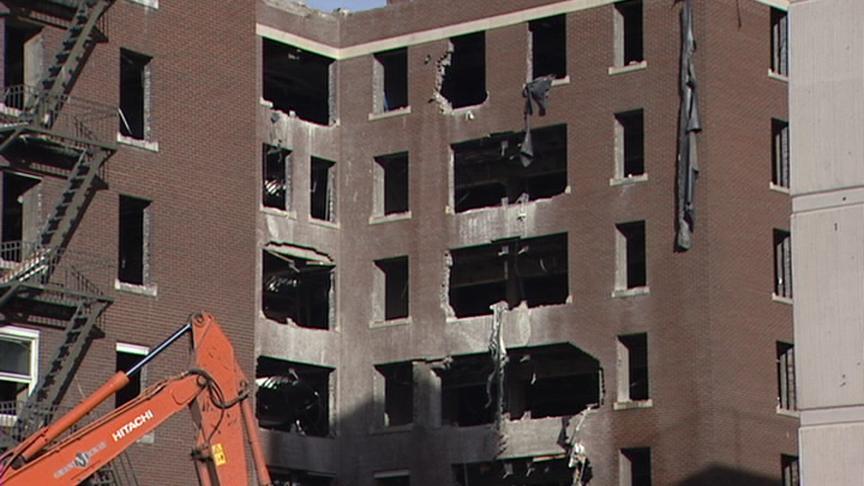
215, 391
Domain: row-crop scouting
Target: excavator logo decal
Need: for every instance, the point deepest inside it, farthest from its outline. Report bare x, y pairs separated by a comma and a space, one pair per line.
81, 460
132, 425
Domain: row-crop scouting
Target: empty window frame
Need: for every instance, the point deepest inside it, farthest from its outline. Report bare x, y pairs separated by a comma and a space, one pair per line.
465, 399
135, 86
293, 397
464, 82
390, 74
779, 42
293, 477
22, 61
782, 264
391, 184
322, 190
633, 367
519, 471
634, 467
19, 362
550, 381
398, 388
629, 144
391, 289
127, 356
489, 172
531, 270
276, 171
133, 263
299, 81
786, 391
780, 153
628, 32
393, 478
297, 290
790, 470
631, 269
549, 47
21, 218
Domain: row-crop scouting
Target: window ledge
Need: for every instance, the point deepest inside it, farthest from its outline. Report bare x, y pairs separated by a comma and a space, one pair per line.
781, 299
395, 429
377, 219
390, 323
561, 81
153, 4
635, 66
775, 187
324, 223
779, 77
279, 212
787, 412
632, 404
624, 293
624, 181
137, 143
150, 290
405, 110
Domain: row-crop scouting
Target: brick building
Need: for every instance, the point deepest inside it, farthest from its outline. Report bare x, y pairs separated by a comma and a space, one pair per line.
425, 295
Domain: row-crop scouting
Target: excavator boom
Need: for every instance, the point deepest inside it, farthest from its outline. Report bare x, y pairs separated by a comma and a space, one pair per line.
215, 391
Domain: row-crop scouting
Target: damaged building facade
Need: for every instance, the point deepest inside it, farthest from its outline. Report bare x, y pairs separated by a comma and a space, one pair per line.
605, 301
534, 242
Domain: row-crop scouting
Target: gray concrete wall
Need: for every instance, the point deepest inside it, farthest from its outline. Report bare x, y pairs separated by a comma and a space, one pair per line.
827, 119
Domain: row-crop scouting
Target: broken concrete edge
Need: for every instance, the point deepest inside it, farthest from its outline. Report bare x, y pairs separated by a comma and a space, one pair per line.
282, 250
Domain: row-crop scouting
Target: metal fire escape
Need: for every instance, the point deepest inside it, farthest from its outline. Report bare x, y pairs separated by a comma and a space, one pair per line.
44, 129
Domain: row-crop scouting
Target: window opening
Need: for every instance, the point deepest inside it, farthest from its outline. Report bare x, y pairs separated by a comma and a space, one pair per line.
297, 80
22, 60
628, 33
297, 290
277, 177
549, 47
134, 228
128, 355
790, 469
391, 80
488, 172
393, 284
632, 264
398, 478
780, 153
21, 212
293, 397
520, 471
531, 270
465, 400
779, 42
635, 467
633, 367
19, 359
786, 391
550, 381
322, 190
782, 264
629, 144
391, 180
398, 393
293, 477
134, 94
464, 82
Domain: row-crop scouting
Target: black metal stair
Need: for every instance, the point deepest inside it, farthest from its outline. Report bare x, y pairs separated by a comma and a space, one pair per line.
50, 119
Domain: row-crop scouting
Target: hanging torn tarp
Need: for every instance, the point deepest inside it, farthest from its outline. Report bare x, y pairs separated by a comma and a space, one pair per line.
535, 91
689, 126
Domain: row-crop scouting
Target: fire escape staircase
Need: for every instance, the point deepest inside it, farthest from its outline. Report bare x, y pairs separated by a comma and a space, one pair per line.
42, 281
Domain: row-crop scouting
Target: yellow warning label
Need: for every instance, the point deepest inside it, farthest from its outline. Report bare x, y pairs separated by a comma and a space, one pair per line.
219, 455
